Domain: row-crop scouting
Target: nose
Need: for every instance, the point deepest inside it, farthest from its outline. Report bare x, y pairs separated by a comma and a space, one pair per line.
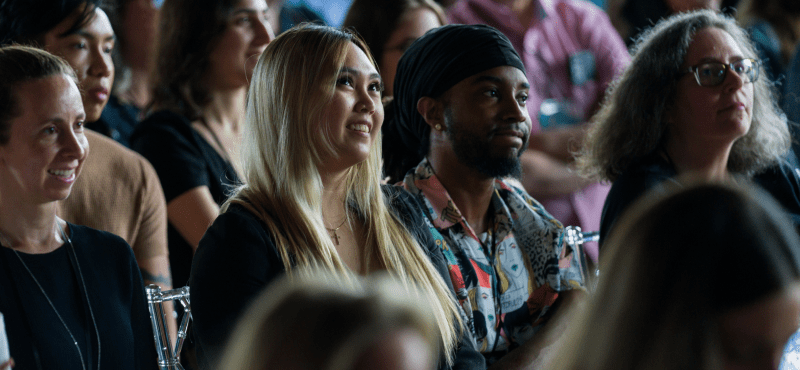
264, 33
101, 64
733, 81
75, 145
366, 102
514, 111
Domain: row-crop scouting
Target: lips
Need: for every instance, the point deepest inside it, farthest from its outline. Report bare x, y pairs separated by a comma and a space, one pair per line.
362, 127
98, 93
67, 175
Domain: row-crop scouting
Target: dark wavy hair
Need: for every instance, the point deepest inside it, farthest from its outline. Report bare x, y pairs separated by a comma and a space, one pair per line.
26, 21
188, 31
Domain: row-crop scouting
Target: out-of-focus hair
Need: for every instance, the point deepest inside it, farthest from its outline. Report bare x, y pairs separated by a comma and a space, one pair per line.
376, 20
20, 64
632, 121
283, 145
189, 30
331, 323
782, 15
27, 21
678, 261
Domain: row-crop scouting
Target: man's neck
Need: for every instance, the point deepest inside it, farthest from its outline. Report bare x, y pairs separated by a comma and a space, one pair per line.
470, 190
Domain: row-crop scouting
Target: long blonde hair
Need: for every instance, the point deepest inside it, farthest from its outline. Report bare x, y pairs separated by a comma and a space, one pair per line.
282, 147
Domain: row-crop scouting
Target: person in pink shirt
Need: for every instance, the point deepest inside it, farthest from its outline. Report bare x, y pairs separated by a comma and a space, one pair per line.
571, 53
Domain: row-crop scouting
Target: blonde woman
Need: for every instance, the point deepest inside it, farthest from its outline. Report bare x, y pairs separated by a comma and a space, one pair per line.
334, 327
311, 193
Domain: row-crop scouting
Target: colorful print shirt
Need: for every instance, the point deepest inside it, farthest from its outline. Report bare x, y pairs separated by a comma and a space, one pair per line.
527, 262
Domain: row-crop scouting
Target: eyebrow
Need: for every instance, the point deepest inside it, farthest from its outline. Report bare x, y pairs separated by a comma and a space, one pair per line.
358, 73
82, 33
497, 80
248, 11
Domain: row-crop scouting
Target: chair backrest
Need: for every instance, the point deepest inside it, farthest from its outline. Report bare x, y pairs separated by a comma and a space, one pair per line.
169, 357
575, 237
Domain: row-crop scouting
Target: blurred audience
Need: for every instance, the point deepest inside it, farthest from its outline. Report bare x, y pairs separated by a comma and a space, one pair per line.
390, 26
774, 27
692, 101
375, 323
631, 17
135, 23
701, 276
204, 61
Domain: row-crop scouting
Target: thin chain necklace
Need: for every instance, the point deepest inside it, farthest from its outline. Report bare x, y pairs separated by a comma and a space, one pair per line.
335, 236
86, 293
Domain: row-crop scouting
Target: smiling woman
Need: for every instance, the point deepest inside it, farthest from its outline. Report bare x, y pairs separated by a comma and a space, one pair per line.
311, 194
72, 296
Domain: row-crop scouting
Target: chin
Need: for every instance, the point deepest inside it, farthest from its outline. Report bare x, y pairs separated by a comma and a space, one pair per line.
94, 111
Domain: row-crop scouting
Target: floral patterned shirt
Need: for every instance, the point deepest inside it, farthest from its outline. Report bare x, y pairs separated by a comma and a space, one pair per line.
507, 278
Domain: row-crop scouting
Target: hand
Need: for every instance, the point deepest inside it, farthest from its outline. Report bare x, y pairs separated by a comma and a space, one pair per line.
7, 365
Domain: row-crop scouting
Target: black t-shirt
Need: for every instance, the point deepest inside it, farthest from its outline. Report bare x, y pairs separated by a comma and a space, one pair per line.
237, 259
183, 160
781, 181
37, 338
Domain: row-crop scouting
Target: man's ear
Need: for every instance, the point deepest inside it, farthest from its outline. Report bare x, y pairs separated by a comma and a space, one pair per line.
432, 111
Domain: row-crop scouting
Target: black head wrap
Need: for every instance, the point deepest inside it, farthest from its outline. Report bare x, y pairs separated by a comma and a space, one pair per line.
436, 62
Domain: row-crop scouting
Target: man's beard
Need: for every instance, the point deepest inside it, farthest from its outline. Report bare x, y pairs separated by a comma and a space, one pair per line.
477, 154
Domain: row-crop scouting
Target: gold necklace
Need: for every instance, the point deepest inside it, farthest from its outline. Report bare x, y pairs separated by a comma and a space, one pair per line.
335, 236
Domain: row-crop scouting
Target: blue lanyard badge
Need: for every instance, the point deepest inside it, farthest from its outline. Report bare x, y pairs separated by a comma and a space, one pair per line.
581, 67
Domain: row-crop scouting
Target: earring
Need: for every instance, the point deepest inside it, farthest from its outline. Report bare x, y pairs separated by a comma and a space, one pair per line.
438, 127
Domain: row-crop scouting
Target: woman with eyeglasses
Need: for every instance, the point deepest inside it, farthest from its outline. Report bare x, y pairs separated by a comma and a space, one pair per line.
693, 101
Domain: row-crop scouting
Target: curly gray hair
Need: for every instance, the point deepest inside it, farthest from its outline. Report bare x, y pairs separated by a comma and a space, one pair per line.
632, 122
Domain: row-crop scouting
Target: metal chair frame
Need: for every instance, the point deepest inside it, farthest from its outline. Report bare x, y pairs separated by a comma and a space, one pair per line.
575, 237
169, 357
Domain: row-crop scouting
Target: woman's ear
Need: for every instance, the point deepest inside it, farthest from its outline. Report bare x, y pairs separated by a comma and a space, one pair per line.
432, 111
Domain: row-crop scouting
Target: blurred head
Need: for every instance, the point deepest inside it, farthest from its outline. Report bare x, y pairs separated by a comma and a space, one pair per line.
214, 46
77, 30
464, 87
377, 325
647, 104
688, 5
42, 145
390, 26
706, 276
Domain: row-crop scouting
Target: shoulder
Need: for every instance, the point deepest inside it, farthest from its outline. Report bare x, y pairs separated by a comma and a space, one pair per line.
402, 203
161, 123
108, 155
100, 244
236, 228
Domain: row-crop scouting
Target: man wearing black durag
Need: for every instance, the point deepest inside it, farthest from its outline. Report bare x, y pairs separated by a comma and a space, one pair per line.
460, 94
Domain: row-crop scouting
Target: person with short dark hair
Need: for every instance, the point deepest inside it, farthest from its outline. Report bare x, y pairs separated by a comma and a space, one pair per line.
461, 93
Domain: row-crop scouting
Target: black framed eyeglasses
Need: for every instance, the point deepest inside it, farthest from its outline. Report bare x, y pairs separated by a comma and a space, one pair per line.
713, 73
